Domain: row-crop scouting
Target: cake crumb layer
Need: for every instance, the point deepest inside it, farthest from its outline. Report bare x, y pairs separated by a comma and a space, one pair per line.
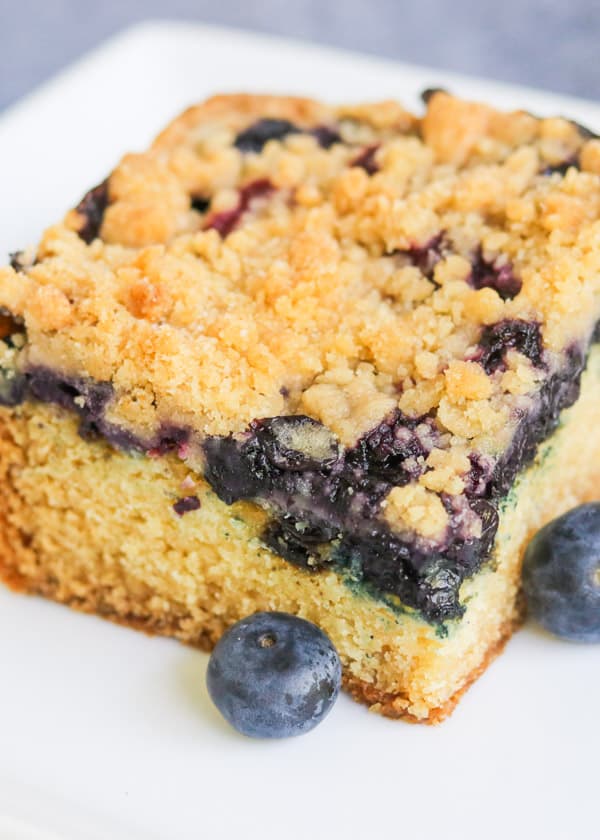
193, 576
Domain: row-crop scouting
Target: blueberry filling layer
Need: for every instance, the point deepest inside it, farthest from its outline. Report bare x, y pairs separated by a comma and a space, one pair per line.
328, 515
325, 501
87, 399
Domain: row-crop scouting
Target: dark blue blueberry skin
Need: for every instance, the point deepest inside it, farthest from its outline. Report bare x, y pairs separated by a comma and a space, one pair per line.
253, 138
561, 575
92, 208
496, 339
273, 675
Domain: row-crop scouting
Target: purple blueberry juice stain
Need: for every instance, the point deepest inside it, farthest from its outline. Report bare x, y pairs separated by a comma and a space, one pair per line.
92, 207
326, 136
227, 220
494, 275
186, 505
366, 159
477, 480
170, 439
426, 257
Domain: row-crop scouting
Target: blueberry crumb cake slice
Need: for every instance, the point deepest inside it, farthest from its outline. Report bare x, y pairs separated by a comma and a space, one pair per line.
334, 361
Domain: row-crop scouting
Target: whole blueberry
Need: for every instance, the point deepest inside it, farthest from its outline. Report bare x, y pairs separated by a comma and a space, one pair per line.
561, 575
273, 675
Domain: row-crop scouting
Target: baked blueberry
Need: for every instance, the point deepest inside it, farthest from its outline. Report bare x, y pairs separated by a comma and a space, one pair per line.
273, 675
325, 136
366, 159
255, 136
561, 575
485, 274
200, 203
561, 168
496, 339
92, 208
426, 257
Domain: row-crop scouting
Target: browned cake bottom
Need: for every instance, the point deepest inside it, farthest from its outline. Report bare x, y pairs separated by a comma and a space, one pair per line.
94, 528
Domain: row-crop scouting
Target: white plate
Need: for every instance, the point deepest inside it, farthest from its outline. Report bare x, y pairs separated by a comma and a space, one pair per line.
106, 733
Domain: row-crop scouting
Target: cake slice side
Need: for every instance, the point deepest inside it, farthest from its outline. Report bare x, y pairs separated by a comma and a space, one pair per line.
95, 528
337, 336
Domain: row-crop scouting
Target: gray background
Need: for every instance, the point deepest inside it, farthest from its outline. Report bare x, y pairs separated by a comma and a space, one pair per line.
552, 44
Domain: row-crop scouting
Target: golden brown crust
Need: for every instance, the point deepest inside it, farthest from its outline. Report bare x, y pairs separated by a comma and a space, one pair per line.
394, 705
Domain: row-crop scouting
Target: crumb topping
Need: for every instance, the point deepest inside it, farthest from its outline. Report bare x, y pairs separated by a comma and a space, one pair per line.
275, 256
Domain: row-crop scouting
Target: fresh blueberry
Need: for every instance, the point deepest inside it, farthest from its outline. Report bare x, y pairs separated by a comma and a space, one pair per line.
273, 675
561, 575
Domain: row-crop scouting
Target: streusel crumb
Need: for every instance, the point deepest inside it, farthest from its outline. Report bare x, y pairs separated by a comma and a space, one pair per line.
271, 256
